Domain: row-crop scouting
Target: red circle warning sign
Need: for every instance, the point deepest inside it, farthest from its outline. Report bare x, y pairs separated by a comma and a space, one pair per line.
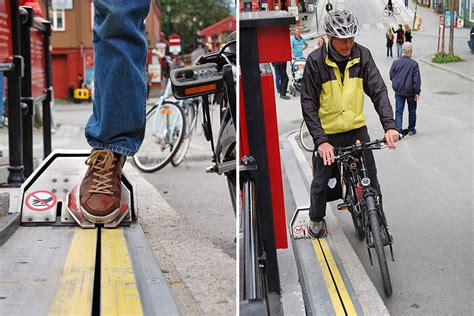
40, 200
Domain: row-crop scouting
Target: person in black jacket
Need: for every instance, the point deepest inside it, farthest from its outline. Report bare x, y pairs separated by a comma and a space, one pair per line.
406, 82
335, 79
407, 30
400, 39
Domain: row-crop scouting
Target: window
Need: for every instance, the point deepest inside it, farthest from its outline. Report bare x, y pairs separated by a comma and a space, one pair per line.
57, 19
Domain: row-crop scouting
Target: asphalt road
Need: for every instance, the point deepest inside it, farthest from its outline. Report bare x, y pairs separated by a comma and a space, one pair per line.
427, 181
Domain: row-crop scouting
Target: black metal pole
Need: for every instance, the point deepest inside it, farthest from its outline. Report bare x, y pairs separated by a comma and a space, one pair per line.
15, 175
26, 98
47, 147
252, 91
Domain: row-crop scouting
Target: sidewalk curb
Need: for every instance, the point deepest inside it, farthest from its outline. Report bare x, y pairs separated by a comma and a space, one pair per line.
181, 248
8, 225
424, 60
367, 294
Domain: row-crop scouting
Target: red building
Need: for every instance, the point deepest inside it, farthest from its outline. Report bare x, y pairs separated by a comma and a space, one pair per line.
71, 41
214, 34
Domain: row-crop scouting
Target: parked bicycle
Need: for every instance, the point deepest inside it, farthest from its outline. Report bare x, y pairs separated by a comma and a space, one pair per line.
214, 75
164, 133
305, 137
365, 204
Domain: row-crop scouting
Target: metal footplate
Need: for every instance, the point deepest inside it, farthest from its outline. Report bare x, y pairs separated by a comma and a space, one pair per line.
299, 223
51, 194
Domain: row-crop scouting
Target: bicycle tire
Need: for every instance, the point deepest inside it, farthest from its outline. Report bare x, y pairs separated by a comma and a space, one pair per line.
386, 12
305, 138
379, 248
191, 118
148, 150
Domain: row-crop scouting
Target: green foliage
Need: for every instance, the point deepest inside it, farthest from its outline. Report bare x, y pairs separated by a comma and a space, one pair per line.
445, 58
187, 17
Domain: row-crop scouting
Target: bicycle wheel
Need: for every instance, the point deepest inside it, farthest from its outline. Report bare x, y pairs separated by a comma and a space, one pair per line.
164, 132
379, 249
305, 138
396, 10
386, 12
191, 118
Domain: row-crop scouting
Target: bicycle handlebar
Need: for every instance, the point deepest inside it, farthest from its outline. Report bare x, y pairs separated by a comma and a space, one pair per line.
381, 143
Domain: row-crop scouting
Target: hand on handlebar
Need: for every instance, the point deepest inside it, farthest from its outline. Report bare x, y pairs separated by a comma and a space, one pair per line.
391, 137
326, 152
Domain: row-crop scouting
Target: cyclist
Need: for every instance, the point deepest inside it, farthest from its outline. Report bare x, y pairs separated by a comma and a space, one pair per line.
332, 99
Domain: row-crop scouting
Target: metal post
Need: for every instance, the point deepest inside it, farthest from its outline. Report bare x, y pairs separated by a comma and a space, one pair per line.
414, 17
26, 99
316, 15
252, 91
49, 91
15, 175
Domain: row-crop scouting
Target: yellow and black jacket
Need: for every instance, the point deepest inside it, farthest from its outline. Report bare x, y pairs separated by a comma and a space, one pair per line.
333, 104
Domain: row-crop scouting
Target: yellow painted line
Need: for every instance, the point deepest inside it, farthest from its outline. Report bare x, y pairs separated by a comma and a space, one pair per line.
336, 302
345, 297
75, 289
119, 292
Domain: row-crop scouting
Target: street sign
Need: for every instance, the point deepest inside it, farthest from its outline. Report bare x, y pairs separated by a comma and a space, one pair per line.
175, 44
41, 200
160, 49
38, 68
5, 32
62, 4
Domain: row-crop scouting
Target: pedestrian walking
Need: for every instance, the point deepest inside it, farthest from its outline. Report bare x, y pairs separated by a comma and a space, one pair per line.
282, 85
407, 31
389, 37
277, 77
406, 82
298, 44
400, 39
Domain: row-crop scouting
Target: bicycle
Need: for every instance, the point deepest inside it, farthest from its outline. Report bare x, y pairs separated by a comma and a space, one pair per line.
391, 11
254, 299
165, 127
191, 109
305, 137
364, 203
214, 75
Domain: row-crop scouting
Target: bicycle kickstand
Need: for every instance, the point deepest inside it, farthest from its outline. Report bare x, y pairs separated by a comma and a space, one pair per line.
370, 256
391, 253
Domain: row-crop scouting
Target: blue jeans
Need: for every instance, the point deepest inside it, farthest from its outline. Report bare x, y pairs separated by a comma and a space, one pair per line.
120, 48
399, 50
277, 79
400, 105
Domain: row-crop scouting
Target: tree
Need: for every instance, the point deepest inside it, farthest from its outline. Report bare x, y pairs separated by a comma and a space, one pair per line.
452, 9
186, 17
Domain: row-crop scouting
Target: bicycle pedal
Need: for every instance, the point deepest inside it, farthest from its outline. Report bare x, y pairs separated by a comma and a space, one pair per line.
343, 206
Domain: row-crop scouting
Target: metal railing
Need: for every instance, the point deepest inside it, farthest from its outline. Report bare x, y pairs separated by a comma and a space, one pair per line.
28, 70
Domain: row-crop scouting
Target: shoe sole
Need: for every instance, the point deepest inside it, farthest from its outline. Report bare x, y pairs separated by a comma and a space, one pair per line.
100, 219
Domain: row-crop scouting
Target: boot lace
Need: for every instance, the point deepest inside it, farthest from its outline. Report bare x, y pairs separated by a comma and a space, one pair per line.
102, 162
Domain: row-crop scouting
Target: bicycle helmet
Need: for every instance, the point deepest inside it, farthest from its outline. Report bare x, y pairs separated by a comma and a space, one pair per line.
341, 24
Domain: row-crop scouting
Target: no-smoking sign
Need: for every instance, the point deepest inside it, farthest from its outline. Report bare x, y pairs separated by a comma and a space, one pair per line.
40, 200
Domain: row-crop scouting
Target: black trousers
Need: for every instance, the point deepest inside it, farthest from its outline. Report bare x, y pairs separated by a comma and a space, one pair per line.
283, 77
322, 173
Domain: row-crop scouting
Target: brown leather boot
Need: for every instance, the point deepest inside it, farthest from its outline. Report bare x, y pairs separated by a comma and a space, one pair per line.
101, 191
